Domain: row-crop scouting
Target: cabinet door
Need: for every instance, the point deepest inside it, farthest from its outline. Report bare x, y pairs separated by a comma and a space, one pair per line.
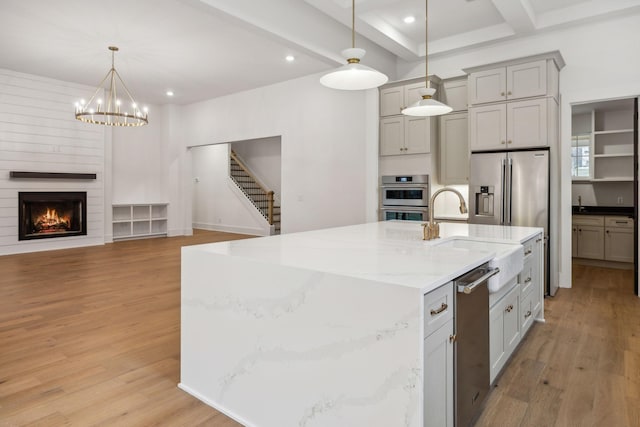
504, 330
487, 127
416, 135
454, 94
527, 80
391, 100
438, 377
412, 93
391, 136
487, 86
454, 149
527, 124
590, 242
618, 244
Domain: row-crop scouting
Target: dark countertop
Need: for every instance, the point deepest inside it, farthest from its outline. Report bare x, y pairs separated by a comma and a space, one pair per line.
603, 210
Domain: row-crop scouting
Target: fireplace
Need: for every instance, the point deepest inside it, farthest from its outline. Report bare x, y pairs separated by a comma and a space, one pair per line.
52, 214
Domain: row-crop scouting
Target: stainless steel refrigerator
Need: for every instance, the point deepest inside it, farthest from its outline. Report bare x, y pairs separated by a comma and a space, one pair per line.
511, 188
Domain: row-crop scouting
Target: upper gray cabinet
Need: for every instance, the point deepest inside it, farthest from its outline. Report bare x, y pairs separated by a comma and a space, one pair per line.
454, 93
525, 78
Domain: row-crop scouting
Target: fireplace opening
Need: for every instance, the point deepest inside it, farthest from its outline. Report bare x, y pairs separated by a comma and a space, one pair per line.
52, 214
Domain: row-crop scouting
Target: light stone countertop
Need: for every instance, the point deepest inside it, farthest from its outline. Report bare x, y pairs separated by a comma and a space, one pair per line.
391, 252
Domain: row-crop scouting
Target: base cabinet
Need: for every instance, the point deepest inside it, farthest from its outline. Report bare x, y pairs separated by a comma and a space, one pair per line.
608, 238
438, 357
504, 330
438, 374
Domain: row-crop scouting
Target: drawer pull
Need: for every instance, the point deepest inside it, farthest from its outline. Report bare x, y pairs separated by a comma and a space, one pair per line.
622, 222
509, 308
527, 314
442, 308
452, 338
527, 252
538, 240
527, 280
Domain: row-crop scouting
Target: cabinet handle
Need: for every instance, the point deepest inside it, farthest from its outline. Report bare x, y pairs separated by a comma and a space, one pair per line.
501, 93
527, 314
527, 280
621, 222
580, 230
538, 240
509, 142
442, 308
527, 252
509, 93
509, 308
502, 142
607, 231
452, 338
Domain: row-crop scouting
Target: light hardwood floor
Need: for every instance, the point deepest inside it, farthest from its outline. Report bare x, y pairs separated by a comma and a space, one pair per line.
91, 336
581, 367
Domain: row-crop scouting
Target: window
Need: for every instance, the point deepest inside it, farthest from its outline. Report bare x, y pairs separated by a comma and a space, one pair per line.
580, 156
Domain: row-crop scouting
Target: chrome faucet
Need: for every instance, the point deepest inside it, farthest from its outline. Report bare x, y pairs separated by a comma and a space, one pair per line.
431, 229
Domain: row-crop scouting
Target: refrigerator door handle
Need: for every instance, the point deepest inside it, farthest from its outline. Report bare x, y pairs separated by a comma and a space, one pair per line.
503, 183
508, 196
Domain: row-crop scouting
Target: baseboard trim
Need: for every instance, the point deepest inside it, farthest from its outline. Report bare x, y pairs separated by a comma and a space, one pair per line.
254, 231
603, 263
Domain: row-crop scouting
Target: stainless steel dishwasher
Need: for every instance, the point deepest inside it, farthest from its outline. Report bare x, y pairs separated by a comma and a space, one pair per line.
471, 343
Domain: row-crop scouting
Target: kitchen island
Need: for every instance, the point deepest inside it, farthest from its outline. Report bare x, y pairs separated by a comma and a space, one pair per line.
321, 328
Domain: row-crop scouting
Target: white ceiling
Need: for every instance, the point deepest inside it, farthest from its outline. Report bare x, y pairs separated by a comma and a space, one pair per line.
202, 49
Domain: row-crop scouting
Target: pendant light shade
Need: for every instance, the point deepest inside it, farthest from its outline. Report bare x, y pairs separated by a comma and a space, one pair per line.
427, 106
353, 75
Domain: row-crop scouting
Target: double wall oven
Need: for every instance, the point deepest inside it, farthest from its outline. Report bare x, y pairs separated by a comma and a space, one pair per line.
404, 197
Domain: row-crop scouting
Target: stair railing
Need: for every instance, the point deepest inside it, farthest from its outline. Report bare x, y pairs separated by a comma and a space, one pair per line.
268, 193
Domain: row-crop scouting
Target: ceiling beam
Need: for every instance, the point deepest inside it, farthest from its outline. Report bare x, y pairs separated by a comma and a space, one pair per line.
518, 14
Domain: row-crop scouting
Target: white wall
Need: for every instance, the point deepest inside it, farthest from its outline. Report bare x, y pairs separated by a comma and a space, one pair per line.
601, 63
38, 133
327, 138
139, 170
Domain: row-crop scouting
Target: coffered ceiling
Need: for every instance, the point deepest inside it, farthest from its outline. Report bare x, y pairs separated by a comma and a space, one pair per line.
202, 49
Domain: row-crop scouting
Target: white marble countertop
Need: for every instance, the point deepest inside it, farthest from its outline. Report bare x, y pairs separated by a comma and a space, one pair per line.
392, 252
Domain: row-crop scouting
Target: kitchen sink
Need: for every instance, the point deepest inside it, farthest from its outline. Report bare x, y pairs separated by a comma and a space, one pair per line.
509, 258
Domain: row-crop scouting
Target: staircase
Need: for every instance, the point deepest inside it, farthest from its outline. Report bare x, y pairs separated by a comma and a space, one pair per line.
259, 196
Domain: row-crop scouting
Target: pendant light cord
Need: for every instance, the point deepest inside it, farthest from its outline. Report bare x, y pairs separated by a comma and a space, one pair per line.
353, 23
426, 43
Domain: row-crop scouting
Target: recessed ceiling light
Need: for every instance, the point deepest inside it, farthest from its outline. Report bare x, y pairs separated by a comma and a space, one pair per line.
169, 93
409, 19
290, 58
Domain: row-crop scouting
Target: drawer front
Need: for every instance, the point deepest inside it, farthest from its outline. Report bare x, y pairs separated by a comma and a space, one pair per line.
595, 220
527, 312
438, 308
526, 278
618, 221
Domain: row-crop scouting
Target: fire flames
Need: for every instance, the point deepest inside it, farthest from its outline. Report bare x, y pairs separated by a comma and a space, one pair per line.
51, 221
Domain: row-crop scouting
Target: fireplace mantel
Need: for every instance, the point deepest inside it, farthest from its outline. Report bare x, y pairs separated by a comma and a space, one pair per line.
51, 175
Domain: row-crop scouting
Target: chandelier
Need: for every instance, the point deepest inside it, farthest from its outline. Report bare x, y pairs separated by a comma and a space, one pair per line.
112, 111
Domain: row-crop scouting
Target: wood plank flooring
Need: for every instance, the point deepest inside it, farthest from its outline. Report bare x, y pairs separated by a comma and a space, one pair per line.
91, 336
581, 367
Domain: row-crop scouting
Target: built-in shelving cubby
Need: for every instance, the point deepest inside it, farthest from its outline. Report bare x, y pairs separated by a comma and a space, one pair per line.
133, 221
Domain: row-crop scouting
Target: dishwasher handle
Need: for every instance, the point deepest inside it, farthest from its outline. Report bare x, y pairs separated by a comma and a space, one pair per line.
467, 288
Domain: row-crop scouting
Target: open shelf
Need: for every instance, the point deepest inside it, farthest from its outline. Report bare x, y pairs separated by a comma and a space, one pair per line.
135, 221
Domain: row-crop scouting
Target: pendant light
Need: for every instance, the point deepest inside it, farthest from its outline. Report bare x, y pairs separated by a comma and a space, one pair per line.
427, 106
353, 75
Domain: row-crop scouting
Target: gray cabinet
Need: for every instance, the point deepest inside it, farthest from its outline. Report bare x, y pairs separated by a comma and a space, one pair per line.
454, 149
504, 330
520, 124
608, 238
618, 239
405, 135
439, 357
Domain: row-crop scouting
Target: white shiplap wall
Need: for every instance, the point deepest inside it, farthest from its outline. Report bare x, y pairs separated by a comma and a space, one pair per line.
39, 133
